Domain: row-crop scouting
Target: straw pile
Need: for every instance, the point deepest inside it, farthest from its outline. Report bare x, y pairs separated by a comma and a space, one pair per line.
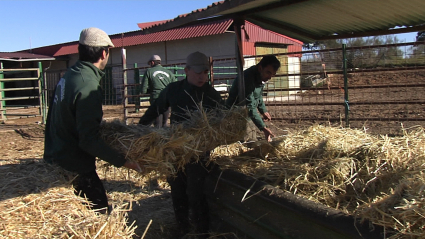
378, 178
167, 149
38, 202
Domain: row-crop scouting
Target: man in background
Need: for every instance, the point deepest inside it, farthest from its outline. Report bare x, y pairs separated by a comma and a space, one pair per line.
255, 78
72, 134
155, 79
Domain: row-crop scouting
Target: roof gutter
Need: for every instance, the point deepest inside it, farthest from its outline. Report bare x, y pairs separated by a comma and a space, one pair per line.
22, 60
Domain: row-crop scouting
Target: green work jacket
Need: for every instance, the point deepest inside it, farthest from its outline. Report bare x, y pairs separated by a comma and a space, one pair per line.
182, 96
155, 80
253, 95
72, 135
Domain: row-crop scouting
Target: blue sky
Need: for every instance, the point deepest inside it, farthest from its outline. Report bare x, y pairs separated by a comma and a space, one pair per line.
34, 23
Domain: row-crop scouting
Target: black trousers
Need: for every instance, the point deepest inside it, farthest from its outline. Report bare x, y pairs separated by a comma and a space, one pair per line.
162, 119
189, 201
89, 185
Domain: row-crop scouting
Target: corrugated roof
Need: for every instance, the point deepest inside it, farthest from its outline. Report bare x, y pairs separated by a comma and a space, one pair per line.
23, 56
255, 34
68, 49
139, 37
144, 25
310, 20
207, 29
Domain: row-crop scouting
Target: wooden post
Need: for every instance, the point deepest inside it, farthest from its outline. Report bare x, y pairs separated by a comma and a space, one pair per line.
239, 60
211, 71
124, 78
2, 102
346, 105
42, 93
138, 87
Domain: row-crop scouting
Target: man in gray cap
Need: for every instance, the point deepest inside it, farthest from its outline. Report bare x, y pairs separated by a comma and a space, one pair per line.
72, 135
154, 81
187, 185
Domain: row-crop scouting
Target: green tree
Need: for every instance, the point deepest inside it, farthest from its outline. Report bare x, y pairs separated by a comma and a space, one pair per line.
362, 52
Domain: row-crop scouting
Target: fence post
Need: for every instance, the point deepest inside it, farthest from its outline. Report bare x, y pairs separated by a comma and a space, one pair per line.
344, 66
41, 90
138, 87
2, 102
176, 70
124, 77
211, 71
238, 22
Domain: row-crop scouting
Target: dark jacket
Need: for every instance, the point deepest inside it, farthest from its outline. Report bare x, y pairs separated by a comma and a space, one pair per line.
253, 95
156, 79
72, 137
181, 96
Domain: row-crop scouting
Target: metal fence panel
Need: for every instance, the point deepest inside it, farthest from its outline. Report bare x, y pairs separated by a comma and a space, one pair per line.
383, 89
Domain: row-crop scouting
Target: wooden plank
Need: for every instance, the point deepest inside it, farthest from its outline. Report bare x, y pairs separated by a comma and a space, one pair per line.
18, 79
246, 203
23, 88
21, 69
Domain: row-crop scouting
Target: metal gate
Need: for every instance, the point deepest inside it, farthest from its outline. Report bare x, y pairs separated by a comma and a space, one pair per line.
21, 93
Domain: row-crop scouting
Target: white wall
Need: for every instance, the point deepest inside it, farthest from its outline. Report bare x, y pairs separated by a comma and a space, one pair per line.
294, 67
216, 46
171, 52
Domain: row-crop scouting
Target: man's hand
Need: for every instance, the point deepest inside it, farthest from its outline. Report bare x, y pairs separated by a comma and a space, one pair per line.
266, 116
133, 165
268, 134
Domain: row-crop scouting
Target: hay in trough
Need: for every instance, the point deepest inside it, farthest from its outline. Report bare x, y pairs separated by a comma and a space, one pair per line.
167, 149
345, 169
402, 211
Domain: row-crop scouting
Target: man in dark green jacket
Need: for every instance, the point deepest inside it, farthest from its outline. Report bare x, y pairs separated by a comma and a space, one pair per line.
187, 186
155, 80
72, 135
255, 78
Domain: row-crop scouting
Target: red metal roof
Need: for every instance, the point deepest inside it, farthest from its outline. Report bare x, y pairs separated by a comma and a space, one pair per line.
185, 15
208, 29
149, 24
255, 33
258, 34
69, 49
139, 38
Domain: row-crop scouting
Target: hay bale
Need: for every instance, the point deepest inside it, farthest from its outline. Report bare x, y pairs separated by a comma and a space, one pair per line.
166, 149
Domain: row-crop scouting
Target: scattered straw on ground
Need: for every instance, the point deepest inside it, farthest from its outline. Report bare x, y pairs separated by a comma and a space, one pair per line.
379, 178
37, 201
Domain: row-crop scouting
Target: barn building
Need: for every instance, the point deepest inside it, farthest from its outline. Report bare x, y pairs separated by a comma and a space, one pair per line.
215, 39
